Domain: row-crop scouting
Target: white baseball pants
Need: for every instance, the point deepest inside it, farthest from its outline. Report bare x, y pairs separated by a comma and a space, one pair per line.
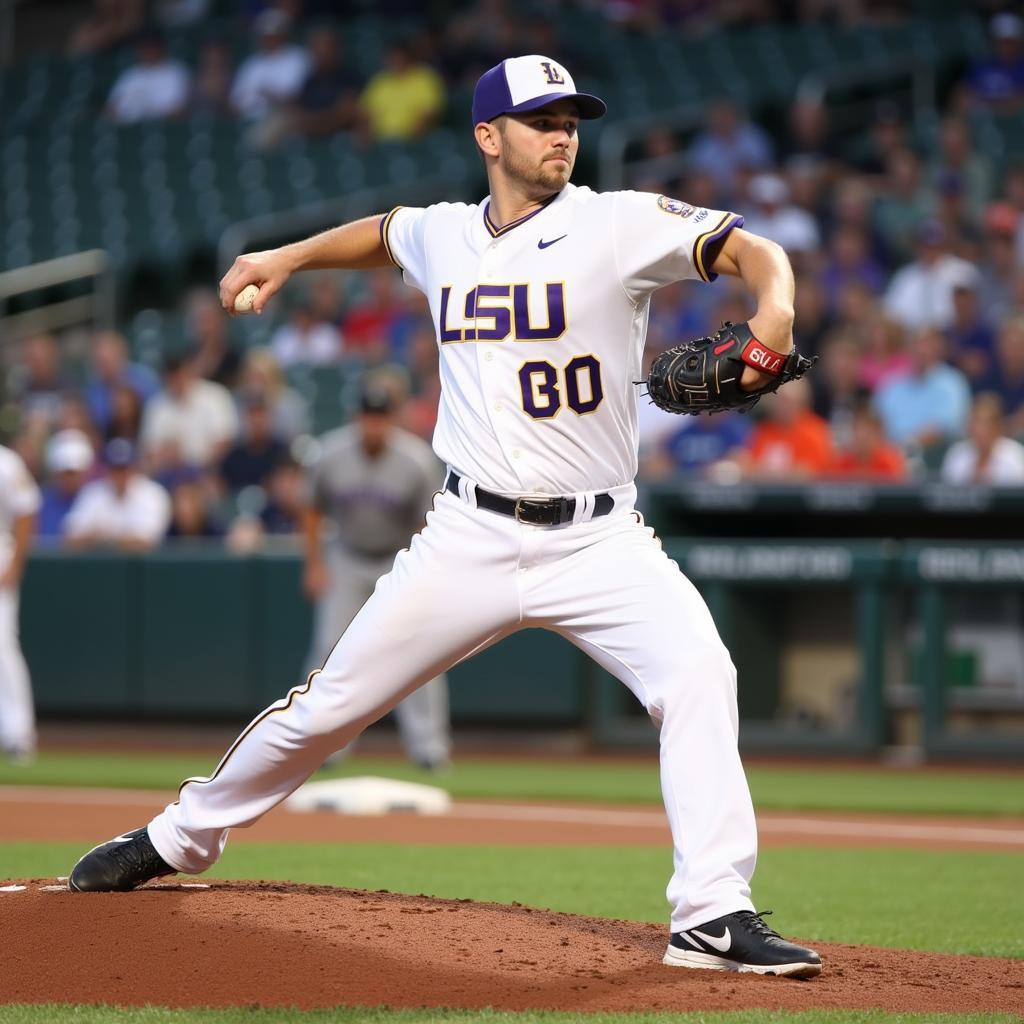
17, 715
468, 579
423, 719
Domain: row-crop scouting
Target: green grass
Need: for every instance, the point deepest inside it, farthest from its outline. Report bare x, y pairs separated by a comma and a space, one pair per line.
946, 901
813, 788
365, 1015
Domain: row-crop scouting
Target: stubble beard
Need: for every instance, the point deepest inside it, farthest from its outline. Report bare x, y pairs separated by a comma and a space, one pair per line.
539, 180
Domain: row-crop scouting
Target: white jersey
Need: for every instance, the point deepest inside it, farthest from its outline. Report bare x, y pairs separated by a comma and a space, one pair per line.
541, 327
19, 496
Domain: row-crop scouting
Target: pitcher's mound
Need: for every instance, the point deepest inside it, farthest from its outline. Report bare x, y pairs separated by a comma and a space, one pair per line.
274, 944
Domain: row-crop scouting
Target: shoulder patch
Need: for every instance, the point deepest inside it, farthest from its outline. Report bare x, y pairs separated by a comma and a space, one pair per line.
676, 206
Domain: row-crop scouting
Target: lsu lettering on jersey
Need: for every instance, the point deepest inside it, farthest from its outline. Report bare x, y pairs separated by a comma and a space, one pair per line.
541, 326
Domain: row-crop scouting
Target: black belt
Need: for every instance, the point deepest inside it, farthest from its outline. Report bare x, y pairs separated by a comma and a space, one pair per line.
535, 511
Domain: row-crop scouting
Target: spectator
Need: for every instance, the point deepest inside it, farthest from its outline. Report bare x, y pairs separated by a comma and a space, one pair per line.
1006, 378
774, 217
883, 349
849, 259
190, 423
887, 137
124, 510
110, 23
125, 414
419, 413
790, 442
662, 164
929, 405
274, 74
904, 202
1000, 261
328, 100
729, 145
971, 338
867, 455
69, 460
39, 383
837, 385
192, 518
254, 456
151, 89
370, 321
702, 442
813, 317
286, 499
211, 84
215, 358
921, 293
261, 373
958, 158
110, 370
809, 133
404, 99
986, 455
998, 80
302, 341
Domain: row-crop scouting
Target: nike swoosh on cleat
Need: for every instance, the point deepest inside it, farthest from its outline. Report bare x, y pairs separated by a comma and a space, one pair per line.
543, 245
720, 942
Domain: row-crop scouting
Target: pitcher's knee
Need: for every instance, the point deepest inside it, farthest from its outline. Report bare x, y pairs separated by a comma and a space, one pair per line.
333, 704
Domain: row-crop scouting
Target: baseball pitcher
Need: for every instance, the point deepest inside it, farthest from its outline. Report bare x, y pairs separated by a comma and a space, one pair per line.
540, 298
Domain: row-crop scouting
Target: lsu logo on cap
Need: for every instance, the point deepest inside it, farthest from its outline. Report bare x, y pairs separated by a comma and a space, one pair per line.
554, 76
676, 206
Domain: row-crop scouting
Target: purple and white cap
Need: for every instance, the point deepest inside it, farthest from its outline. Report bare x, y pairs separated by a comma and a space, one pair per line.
519, 84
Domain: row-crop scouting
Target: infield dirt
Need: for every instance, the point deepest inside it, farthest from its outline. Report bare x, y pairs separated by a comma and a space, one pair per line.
273, 944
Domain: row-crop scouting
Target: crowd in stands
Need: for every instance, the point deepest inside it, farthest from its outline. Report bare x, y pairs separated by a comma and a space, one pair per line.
907, 244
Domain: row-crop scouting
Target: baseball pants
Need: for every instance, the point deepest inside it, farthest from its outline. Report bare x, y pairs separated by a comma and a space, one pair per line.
17, 715
468, 579
423, 720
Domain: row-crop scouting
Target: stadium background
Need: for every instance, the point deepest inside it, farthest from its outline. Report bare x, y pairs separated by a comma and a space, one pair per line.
867, 582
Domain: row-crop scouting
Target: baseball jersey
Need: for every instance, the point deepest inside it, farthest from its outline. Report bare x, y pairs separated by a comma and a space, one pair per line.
19, 496
541, 326
376, 504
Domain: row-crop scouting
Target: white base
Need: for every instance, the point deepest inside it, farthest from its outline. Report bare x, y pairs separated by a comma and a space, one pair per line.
369, 795
675, 957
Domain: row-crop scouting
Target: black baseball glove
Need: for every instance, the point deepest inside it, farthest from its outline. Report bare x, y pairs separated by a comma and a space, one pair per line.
704, 375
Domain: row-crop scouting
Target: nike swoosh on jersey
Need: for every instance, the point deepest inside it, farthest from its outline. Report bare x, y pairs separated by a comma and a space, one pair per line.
543, 245
720, 942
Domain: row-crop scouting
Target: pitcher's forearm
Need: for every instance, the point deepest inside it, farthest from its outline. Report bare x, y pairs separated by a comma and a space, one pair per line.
353, 246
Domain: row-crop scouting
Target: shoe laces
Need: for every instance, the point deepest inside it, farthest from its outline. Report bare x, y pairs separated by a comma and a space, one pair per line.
754, 923
138, 855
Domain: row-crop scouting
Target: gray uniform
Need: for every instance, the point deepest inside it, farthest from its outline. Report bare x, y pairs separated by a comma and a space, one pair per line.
375, 505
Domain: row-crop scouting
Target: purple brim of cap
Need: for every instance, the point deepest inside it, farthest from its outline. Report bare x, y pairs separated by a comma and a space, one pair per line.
491, 99
591, 107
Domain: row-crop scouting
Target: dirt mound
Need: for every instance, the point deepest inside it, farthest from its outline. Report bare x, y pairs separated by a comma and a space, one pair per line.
272, 944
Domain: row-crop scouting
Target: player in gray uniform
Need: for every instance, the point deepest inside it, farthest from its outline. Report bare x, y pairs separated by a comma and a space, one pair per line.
374, 483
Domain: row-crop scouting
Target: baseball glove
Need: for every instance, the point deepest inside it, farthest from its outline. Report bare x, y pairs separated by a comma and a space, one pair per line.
704, 375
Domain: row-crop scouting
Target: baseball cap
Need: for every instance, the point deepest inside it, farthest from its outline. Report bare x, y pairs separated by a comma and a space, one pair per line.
68, 450
119, 452
519, 84
376, 398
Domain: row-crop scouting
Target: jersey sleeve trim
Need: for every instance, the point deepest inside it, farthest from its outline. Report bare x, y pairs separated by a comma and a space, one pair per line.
385, 223
700, 246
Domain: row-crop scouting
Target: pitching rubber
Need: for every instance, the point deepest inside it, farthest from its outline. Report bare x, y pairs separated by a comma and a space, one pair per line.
706, 961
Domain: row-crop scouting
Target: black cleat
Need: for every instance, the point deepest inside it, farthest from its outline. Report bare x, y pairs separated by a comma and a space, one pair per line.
122, 864
741, 942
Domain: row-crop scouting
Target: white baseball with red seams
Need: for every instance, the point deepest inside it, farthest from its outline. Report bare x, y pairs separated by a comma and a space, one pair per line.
540, 326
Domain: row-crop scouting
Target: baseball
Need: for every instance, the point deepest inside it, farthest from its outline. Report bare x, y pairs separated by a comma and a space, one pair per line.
244, 299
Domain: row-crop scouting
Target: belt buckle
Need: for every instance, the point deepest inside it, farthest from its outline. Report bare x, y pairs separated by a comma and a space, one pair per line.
545, 511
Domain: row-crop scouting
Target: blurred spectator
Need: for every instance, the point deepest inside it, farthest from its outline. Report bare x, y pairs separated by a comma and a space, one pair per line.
904, 202
837, 385
404, 99
883, 346
325, 294
699, 443
809, 133
790, 442
125, 414
929, 405
729, 145
274, 73
986, 455
921, 293
69, 460
813, 317
258, 451
261, 373
1013, 193
1000, 261
110, 23
110, 369
998, 80
328, 99
852, 206
849, 259
38, 382
190, 423
419, 413
192, 517
971, 338
774, 217
873, 154
211, 84
867, 455
302, 341
958, 158
370, 321
215, 358
124, 510
152, 88
286, 498
1006, 377
663, 162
